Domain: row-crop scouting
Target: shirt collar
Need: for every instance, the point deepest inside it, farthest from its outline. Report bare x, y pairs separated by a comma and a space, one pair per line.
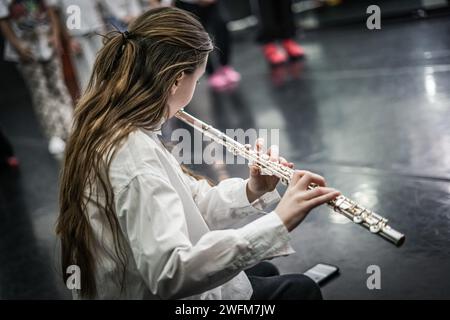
158, 129
152, 133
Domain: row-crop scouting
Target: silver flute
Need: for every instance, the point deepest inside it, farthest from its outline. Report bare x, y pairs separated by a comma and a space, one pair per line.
355, 212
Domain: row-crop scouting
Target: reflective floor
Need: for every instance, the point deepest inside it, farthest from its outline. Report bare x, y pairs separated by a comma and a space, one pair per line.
368, 110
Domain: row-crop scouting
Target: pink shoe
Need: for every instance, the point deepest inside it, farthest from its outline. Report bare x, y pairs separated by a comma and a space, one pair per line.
293, 49
230, 74
12, 162
274, 54
218, 81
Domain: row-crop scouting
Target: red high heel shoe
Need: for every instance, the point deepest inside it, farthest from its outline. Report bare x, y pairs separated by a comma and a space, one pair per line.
293, 49
273, 54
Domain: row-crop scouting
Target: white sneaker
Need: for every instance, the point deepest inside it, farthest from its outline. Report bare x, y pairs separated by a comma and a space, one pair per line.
56, 146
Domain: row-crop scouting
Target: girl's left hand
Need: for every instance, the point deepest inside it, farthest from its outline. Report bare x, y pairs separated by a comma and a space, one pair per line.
258, 183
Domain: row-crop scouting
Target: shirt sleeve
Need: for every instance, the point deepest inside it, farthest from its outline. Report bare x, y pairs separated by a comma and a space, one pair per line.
151, 216
4, 9
227, 202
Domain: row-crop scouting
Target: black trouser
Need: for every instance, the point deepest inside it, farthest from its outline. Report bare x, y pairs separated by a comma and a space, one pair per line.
213, 21
6, 149
268, 284
276, 20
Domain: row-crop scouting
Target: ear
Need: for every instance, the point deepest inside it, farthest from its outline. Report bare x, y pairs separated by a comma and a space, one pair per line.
176, 85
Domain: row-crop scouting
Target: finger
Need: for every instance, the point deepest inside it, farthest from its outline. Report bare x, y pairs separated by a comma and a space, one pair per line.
274, 153
259, 145
254, 171
309, 178
315, 202
317, 192
283, 161
298, 174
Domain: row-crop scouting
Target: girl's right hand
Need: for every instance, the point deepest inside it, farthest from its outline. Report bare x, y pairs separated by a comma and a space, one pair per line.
298, 201
25, 54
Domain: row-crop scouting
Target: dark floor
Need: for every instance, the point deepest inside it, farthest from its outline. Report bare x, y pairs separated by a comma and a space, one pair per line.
368, 110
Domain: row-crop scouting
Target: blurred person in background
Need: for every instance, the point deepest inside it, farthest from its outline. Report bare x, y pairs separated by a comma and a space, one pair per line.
85, 39
119, 13
32, 36
221, 74
277, 24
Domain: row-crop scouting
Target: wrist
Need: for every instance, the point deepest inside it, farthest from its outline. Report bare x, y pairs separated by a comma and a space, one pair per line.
289, 221
252, 194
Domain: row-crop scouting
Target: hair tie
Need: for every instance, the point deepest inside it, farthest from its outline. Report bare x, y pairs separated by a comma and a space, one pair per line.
126, 35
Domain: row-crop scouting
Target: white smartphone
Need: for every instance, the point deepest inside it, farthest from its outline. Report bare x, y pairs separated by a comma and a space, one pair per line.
322, 272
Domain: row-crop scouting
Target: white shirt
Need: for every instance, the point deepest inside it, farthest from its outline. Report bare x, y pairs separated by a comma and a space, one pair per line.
174, 226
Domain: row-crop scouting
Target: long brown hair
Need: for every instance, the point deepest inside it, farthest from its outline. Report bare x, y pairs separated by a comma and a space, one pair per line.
128, 89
